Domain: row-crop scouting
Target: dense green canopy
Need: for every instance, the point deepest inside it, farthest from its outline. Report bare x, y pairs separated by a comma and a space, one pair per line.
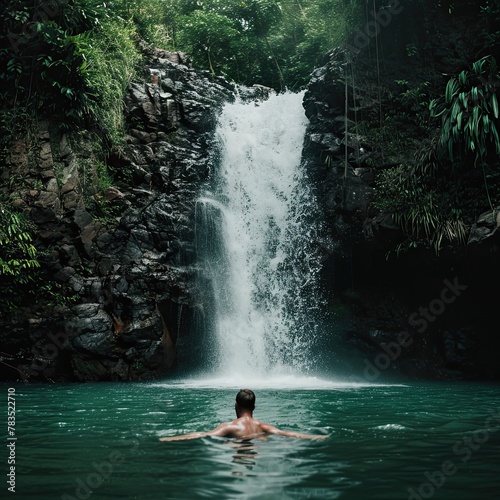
75, 58
270, 42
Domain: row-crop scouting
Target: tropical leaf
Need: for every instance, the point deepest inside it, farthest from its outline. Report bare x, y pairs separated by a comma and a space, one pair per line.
451, 88
494, 105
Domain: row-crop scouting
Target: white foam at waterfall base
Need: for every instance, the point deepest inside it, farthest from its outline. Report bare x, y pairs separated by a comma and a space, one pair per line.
256, 381
262, 266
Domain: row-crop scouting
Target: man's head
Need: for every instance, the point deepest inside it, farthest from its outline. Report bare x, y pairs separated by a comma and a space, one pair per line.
245, 402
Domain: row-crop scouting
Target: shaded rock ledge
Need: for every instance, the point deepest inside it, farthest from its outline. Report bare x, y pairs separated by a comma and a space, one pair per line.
120, 258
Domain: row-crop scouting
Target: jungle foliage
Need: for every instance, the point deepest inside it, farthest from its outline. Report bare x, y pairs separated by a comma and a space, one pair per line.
451, 173
270, 42
67, 60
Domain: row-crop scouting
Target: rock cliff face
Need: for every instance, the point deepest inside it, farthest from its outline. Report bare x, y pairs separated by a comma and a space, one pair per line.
420, 314
122, 255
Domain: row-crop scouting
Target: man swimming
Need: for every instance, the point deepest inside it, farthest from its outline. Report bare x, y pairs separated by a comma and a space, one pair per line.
245, 426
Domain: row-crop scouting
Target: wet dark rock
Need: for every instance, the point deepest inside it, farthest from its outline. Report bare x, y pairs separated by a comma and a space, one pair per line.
96, 342
43, 215
88, 369
485, 227
64, 274
119, 252
155, 354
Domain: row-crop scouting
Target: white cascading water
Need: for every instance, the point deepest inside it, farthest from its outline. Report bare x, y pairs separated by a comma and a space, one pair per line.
255, 237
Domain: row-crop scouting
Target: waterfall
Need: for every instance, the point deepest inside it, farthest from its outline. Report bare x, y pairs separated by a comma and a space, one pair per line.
255, 238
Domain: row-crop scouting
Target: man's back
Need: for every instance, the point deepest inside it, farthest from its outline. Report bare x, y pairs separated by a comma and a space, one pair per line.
243, 427
247, 427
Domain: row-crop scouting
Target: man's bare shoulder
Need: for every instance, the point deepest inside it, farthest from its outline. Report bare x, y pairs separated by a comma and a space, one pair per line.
226, 429
243, 427
267, 428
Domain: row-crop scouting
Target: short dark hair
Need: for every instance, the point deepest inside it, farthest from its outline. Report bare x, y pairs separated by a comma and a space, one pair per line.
246, 399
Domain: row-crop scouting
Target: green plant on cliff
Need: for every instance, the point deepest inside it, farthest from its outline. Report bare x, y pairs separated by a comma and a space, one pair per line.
150, 18
423, 209
470, 125
406, 120
18, 255
111, 59
42, 70
469, 113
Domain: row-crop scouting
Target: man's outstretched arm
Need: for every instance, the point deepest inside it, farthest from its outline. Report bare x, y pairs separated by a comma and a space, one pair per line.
183, 437
221, 431
269, 429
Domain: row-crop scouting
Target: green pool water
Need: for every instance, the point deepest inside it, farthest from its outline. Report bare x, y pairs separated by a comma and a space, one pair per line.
101, 441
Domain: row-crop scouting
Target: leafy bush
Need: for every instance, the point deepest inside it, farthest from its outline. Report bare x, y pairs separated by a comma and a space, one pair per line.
18, 255
150, 19
424, 211
43, 71
469, 113
436, 198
